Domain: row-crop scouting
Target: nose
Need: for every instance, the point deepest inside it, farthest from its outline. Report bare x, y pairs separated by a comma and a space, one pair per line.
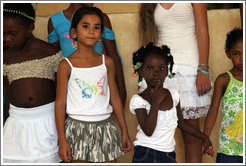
241, 57
7, 38
92, 30
156, 72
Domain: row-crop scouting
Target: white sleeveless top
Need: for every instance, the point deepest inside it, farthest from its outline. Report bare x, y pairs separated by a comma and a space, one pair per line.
176, 29
88, 93
162, 138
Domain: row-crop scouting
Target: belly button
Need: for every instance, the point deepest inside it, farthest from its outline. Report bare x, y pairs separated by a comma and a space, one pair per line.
30, 99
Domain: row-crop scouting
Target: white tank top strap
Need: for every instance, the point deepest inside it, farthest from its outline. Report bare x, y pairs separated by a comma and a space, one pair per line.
69, 63
103, 59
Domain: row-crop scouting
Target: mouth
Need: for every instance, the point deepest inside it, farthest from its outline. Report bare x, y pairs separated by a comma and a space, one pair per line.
156, 80
9, 45
91, 38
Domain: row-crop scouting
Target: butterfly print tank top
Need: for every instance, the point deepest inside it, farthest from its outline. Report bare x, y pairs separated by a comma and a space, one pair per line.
88, 92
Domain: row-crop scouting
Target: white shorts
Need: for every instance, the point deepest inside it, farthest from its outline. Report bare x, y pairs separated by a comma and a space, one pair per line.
30, 135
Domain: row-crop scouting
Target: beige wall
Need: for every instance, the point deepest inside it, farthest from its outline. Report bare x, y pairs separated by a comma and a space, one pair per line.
125, 28
47, 9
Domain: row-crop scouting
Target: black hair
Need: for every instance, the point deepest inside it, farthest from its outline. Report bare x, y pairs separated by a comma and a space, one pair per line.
233, 37
143, 52
81, 12
24, 11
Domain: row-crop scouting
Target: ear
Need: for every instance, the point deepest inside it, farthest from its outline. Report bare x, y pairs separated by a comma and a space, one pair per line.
73, 33
31, 27
140, 72
228, 54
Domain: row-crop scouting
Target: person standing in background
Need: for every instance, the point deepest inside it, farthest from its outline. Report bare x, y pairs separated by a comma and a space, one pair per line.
183, 27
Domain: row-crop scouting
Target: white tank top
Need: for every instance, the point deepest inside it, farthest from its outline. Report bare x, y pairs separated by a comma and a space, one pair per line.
88, 93
176, 29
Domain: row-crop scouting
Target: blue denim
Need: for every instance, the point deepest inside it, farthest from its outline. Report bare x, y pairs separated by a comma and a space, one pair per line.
148, 155
223, 158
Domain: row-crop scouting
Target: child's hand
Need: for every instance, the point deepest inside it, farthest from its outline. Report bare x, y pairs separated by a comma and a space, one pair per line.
65, 151
126, 143
157, 94
207, 147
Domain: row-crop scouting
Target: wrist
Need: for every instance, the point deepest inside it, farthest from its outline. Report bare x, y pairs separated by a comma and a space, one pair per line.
204, 138
154, 105
203, 66
204, 71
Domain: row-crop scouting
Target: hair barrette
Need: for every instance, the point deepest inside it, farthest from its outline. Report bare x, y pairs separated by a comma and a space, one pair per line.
168, 54
134, 75
138, 65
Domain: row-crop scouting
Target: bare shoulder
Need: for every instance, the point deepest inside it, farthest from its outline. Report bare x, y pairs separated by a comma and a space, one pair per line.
7, 54
45, 48
109, 60
64, 63
222, 80
198, 5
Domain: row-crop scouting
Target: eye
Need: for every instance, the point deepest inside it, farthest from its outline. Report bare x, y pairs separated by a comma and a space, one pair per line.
13, 35
149, 68
97, 27
85, 26
236, 54
162, 68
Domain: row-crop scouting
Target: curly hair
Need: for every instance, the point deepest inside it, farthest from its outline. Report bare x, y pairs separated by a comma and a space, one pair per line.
23, 11
232, 38
139, 56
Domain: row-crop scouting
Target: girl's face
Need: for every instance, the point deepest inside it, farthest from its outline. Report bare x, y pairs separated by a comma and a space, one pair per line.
236, 55
155, 68
88, 30
14, 33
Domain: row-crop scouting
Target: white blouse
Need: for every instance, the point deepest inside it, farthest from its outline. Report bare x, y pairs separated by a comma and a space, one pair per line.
162, 138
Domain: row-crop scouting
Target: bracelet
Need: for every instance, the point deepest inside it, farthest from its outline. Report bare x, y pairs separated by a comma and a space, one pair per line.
203, 71
204, 65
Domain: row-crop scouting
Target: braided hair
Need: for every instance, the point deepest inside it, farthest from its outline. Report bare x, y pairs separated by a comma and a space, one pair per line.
143, 52
232, 38
24, 11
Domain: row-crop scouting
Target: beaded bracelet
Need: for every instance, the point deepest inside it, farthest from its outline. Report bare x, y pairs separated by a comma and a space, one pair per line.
204, 65
203, 71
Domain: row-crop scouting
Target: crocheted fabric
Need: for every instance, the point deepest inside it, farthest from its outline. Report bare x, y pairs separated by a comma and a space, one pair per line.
37, 68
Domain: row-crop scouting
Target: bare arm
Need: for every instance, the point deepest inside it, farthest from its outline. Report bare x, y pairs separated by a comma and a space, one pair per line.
219, 89
7, 99
148, 121
110, 48
60, 107
200, 13
6, 87
117, 104
50, 29
188, 128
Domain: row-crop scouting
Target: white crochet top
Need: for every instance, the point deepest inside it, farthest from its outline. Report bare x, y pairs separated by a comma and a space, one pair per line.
37, 68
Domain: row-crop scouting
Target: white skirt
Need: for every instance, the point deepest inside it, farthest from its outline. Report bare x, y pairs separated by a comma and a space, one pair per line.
192, 105
30, 135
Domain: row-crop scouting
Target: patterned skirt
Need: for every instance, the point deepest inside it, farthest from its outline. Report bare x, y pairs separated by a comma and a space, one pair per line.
93, 141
